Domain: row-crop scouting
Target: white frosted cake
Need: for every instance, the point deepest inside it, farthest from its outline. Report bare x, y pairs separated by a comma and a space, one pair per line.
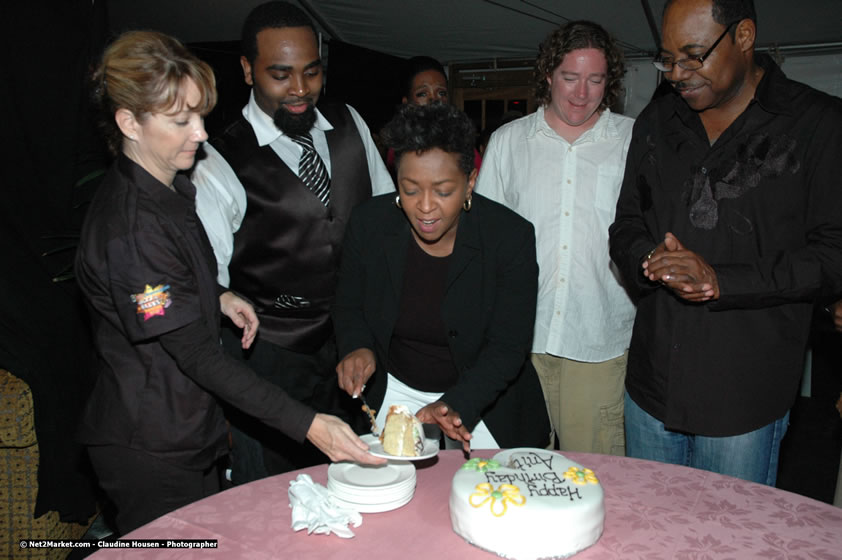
527, 503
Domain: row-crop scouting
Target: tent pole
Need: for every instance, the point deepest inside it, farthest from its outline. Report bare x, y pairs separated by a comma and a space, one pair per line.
653, 26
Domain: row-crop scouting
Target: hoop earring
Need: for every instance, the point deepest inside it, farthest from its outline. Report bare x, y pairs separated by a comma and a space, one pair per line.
467, 204
398, 201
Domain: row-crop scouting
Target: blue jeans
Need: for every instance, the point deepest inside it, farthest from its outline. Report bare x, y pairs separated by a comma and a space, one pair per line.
752, 456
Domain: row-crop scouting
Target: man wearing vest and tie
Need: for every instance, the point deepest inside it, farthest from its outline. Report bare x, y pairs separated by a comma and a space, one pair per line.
274, 194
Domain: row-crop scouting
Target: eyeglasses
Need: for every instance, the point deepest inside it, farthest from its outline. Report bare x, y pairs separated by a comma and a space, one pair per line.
691, 62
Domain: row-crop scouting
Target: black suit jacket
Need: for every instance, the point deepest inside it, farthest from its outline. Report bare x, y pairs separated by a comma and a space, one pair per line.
488, 310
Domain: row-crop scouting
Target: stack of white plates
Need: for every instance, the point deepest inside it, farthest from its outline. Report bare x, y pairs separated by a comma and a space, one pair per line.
371, 489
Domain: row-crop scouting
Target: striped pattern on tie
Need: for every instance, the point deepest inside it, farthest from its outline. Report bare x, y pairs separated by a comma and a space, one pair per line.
311, 168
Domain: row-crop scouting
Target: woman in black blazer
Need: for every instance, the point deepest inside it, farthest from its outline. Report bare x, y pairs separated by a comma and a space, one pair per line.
436, 296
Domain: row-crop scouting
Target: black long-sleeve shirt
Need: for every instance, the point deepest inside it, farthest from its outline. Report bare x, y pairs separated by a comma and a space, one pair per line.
763, 206
148, 272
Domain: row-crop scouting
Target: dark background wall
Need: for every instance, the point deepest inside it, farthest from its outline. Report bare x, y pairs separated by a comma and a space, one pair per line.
369, 81
51, 160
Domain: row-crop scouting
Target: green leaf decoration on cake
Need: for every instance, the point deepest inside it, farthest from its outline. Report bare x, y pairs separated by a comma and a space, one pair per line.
481, 465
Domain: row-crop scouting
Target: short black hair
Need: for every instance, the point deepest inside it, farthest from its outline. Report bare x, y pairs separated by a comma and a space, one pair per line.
271, 15
726, 12
415, 66
420, 128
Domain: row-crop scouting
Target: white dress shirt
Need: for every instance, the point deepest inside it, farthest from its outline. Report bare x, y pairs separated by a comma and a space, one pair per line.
569, 193
221, 198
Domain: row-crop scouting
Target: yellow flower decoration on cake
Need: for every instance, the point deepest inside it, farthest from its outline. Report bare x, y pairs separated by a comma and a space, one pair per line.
581, 476
505, 494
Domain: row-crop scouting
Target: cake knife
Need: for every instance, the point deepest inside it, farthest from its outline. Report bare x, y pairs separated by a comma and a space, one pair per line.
369, 411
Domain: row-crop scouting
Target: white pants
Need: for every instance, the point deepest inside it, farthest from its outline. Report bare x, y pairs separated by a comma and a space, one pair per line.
401, 393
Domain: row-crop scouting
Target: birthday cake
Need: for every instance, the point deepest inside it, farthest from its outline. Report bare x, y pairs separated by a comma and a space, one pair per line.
527, 503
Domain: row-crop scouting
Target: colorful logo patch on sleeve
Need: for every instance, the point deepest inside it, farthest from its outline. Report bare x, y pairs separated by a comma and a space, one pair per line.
152, 301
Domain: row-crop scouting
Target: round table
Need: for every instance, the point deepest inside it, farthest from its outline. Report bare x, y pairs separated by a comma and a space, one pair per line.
653, 511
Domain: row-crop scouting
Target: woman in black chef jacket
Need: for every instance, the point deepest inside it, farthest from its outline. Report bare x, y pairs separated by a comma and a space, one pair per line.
153, 424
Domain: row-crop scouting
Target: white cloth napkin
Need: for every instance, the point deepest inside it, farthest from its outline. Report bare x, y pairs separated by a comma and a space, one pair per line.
314, 510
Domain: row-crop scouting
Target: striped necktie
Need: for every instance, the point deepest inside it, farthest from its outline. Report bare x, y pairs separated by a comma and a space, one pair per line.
311, 168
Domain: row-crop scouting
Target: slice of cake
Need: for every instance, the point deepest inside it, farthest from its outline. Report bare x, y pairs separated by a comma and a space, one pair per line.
403, 434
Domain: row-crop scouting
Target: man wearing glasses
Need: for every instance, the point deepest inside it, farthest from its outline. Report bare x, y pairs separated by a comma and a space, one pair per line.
729, 226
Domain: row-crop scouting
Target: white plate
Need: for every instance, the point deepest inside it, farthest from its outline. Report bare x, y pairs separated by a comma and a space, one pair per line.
431, 449
374, 508
352, 475
369, 493
373, 497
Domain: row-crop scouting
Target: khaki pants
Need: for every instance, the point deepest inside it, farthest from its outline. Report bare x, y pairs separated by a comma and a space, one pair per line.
585, 402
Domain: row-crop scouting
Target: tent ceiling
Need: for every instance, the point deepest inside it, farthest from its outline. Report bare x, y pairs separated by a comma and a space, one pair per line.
465, 30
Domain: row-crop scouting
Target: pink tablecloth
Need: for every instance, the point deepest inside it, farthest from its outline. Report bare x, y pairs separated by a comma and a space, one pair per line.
653, 511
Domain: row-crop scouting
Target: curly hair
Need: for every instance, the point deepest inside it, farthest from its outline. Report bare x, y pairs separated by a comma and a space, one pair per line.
271, 15
144, 72
578, 35
420, 128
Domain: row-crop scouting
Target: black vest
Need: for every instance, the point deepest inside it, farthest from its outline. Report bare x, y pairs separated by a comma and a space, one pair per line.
289, 242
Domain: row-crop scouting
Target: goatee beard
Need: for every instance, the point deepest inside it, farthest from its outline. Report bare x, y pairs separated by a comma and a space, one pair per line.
298, 124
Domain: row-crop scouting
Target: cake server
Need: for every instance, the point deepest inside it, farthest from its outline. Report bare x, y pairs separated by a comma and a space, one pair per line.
369, 411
